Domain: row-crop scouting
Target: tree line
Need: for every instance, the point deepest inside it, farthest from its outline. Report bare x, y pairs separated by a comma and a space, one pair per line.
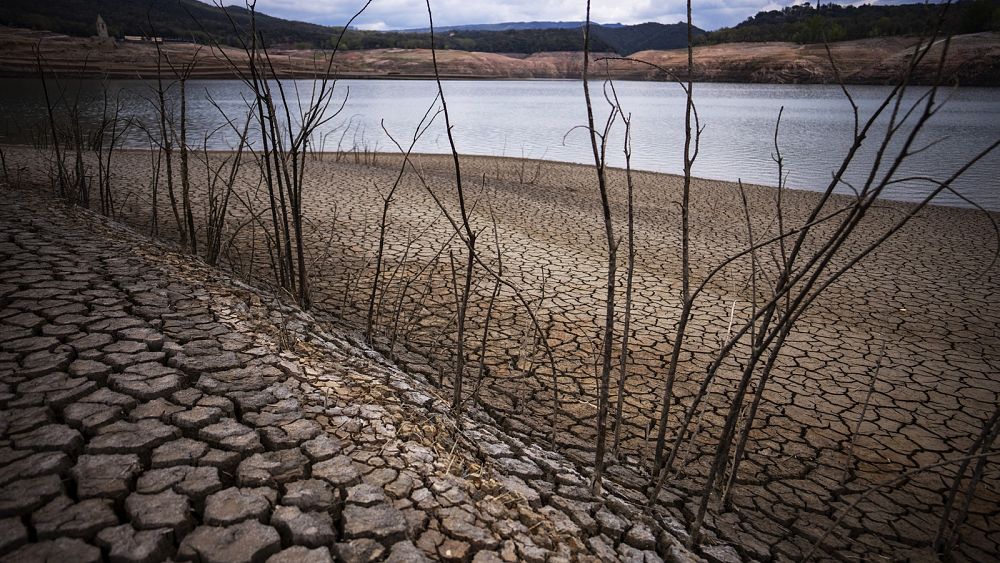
190, 20
806, 23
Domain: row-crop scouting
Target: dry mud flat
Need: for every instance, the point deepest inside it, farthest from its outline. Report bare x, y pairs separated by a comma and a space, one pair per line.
925, 296
153, 409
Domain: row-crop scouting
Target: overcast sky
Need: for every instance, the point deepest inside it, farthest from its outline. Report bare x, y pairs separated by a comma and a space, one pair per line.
403, 14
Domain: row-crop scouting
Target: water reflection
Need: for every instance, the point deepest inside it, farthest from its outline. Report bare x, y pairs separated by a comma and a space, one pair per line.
536, 119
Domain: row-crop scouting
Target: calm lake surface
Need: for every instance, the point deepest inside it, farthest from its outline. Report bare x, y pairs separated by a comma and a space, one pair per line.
540, 119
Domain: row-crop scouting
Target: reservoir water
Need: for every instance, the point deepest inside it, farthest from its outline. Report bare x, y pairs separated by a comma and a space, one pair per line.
542, 119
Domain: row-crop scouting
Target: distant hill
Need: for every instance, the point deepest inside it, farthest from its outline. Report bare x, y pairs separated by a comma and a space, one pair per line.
532, 37
831, 22
507, 26
188, 20
622, 39
195, 21
191, 20
630, 39
525, 41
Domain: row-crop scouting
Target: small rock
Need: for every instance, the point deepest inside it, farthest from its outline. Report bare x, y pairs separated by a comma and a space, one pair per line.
58, 389
721, 554
91, 341
221, 403
194, 482
231, 382
31, 344
248, 541
62, 518
290, 435
272, 468
124, 347
531, 553
13, 534
184, 451
611, 524
300, 554
522, 468
97, 409
454, 550
401, 487
365, 494
34, 465
18, 421
157, 408
95, 371
487, 557
132, 437
462, 525
105, 476
126, 545
677, 554
517, 486
602, 549
629, 554
222, 459
579, 512
236, 505
508, 551
322, 447
60, 549
228, 434
196, 418
121, 362
381, 477
310, 495
44, 362
338, 471
360, 550
640, 537
147, 381
405, 552
381, 522
187, 396
311, 529
162, 510
22, 497
205, 363
562, 523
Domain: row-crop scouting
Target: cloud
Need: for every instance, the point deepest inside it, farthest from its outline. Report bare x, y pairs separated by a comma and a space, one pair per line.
403, 14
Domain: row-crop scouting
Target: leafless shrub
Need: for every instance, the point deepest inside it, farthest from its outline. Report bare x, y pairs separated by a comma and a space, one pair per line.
286, 122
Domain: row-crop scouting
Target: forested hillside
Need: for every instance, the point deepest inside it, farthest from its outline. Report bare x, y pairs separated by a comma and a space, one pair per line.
524, 41
188, 20
194, 21
831, 22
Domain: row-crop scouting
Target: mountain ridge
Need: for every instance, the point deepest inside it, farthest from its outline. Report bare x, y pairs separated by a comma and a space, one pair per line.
198, 22
507, 26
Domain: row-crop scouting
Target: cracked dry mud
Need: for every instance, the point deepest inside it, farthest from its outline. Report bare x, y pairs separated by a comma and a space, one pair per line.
924, 294
154, 409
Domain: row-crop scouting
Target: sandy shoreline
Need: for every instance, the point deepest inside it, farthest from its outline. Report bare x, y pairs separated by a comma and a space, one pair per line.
924, 294
580, 170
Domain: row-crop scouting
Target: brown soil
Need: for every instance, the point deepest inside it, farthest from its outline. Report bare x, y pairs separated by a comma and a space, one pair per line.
973, 60
924, 295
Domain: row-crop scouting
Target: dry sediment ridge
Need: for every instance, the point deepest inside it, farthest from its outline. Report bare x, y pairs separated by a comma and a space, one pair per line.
153, 409
972, 61
924, 294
